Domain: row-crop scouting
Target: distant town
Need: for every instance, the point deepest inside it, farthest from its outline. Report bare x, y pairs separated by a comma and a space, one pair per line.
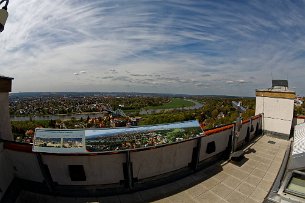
96, 110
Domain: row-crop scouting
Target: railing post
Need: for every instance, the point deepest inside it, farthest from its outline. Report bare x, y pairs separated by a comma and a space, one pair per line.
128, 172
45, 173
196, 155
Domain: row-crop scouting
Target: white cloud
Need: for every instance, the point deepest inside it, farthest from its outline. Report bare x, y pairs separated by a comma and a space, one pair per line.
140, 45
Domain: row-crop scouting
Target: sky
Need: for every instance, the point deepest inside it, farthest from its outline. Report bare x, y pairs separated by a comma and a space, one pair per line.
174, 46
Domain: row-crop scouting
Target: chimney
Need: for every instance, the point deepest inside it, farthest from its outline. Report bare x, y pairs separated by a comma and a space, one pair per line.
5, 122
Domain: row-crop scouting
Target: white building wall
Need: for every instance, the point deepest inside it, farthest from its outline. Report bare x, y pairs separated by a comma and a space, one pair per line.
278, 113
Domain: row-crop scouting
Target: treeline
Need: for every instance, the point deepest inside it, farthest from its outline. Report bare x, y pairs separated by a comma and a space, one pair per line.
299, 110
215, 112
70, 105
19, 128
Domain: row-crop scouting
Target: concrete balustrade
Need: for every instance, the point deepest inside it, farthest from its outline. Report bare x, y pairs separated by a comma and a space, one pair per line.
221, 141
25, 165
149, 163
101, 169
123, 169
6, 171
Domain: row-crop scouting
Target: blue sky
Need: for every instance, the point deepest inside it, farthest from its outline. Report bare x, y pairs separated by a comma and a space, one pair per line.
193, 47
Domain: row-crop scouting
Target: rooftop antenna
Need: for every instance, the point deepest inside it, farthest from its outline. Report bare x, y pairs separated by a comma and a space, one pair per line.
237, 155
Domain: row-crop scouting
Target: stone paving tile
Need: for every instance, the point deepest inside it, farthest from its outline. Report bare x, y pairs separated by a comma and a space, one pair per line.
210, 183
271, 152
265, 185
258, 173
253, 180
258, 195
277, 163
263, 167
278, 158
264, 155
274, 169
252, 163
209, 197
196, 190
266, 160
236, 197
250, 200
232, 182
256, 158
221, 176
245, 188
271, 173
222, 190
247, 168
239, 174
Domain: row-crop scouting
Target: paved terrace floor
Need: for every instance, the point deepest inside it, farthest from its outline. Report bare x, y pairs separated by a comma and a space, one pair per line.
248, 181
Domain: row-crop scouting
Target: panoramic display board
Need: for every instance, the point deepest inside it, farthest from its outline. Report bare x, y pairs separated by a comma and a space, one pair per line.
113, 139
59, 141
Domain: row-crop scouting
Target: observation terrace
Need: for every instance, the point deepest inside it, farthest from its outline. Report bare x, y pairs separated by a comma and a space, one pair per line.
194, 170
191, 170
246, 181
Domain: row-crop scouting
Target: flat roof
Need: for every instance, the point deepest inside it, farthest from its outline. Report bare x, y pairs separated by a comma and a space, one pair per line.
286, 90
6, 78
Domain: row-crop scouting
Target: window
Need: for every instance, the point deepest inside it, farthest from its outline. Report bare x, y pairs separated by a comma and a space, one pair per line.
77, 173
211, 147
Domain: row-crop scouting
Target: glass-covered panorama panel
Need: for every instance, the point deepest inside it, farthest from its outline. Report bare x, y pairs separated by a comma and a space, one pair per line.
113, 139
140, 137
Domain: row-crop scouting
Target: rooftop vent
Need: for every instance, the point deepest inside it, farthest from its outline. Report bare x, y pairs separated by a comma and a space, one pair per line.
279, 83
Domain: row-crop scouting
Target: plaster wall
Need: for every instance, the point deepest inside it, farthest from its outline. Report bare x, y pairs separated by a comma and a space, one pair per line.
25, 165
99, 169
161, 160
6, 172
5, 122
277, 112
221, 140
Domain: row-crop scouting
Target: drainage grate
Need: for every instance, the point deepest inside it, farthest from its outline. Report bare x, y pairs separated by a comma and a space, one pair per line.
271, 142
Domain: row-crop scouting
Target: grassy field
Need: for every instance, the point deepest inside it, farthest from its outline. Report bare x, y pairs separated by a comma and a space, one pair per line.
175, 103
